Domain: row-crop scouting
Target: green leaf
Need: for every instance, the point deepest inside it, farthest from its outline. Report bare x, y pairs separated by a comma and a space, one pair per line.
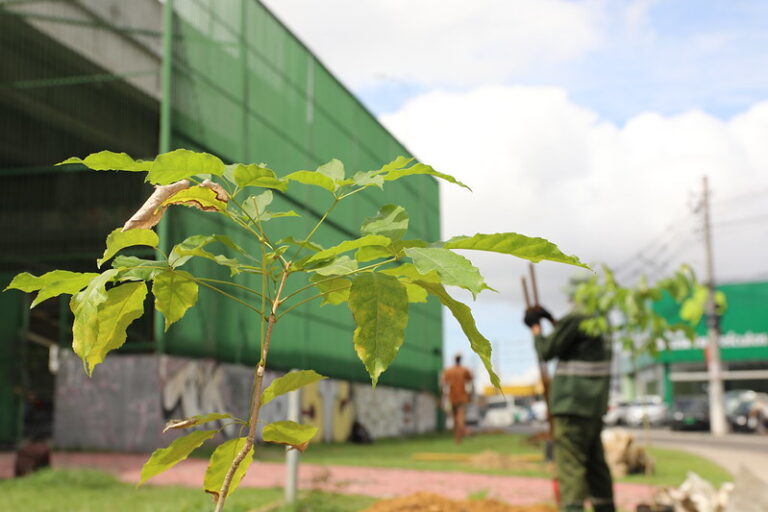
119, 239
312, 178
221, 460
349, 245
196, 420
398, 163
312, 246
124, 304
289, 433
409, 270
396, 249
85, 306
194, 246
421, 169
164, 459
51, 284
366, 179
255, 207
132, 268
175, 292
461, 312
336, 290
252, 175
289, 382
379, 304
373, 252
453, 268
415, 292
391, 221
180, 164
333, 169
721, 302
109, 161
200, 197
408, 274
341, 266
532, 249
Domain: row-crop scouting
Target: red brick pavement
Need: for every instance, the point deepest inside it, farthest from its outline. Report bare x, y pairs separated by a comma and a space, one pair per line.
380, 482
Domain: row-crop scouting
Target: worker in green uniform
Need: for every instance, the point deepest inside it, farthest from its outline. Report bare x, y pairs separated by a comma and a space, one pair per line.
578, 399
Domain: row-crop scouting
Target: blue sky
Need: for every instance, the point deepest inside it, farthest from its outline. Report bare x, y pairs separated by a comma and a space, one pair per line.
587, 122
680, 55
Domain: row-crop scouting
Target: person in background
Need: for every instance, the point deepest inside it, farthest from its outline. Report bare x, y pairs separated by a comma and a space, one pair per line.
455, 380
578, 399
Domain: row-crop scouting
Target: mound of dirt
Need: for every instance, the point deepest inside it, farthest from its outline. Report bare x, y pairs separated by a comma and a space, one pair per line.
428, 502
495, 460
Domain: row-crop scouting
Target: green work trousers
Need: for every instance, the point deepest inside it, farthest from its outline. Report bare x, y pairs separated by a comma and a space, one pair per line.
581, 469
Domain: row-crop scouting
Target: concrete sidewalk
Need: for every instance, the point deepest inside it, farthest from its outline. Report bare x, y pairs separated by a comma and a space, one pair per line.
378, 482
732, 451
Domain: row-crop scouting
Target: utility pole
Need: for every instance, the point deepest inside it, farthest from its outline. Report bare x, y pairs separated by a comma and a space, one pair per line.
714, 364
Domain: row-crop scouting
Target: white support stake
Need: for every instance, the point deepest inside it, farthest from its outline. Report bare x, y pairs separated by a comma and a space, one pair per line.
291, 454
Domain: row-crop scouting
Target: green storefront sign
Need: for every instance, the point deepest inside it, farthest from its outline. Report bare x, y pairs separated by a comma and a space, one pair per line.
743, 342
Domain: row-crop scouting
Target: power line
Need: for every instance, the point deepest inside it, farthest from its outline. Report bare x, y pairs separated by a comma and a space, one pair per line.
743, 220
667, 241
742, 196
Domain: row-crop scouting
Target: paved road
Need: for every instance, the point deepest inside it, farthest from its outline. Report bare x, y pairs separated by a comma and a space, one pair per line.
732, 451
740, 442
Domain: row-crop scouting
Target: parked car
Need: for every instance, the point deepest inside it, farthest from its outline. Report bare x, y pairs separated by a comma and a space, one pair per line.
691, 413
616, 414
750, 414
502, 412
539, 410
735, 397
472, 414
651, 408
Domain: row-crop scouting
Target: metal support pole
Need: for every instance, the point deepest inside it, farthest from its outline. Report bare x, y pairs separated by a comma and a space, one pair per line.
291, 454
166, 72
164, 144
714, 364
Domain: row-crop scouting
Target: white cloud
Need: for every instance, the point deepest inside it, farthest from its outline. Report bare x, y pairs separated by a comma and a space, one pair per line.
432, 42
541, 165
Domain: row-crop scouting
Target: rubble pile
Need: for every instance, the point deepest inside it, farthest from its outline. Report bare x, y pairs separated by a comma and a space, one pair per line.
623, 455
747, 493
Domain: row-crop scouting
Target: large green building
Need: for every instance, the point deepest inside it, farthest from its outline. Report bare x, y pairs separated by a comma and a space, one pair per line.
83, 76
681, 370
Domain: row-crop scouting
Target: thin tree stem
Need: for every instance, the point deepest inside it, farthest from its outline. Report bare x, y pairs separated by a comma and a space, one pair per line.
331, 278
258, 381
229, 295
229, 283
310, 299
314, 229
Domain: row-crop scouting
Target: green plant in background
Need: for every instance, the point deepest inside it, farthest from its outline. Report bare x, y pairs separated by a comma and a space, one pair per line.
377, 274
627, 315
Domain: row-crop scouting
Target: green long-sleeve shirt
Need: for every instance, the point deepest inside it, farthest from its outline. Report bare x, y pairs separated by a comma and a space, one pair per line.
583, 375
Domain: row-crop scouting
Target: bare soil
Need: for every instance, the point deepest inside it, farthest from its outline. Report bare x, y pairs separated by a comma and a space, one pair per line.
428, 502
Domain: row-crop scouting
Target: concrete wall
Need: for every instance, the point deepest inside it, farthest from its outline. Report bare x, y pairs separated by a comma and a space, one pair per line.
125, 405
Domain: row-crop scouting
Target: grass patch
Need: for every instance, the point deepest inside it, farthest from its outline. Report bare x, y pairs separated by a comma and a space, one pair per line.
56, 490
672, 466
